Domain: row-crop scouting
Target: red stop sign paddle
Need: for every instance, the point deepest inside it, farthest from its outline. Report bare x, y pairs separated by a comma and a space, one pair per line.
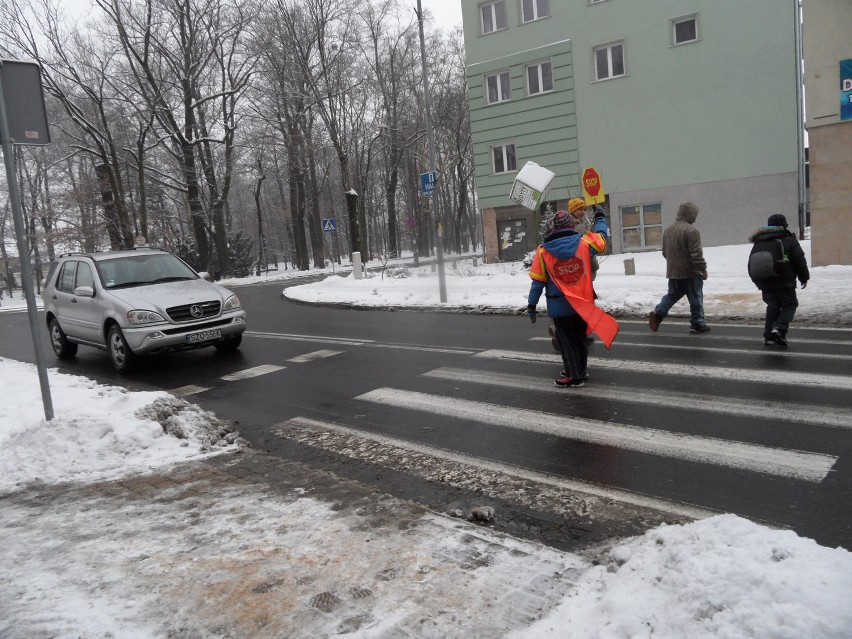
591, 182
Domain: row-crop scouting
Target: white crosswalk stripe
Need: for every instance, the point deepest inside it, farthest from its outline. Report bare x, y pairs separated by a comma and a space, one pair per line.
842, 382
733, 406
248, 373
310, 357
774, 461
191, 389
704, 346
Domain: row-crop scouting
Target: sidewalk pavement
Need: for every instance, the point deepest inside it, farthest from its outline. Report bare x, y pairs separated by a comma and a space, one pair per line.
247, 545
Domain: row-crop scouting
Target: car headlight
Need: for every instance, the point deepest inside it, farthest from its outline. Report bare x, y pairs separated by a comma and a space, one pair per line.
232, 303
144, 317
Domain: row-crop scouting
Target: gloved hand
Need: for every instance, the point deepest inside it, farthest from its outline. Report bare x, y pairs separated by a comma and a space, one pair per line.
599, 212
531, 314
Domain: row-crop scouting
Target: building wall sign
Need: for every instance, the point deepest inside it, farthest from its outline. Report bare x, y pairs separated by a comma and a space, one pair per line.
846, 89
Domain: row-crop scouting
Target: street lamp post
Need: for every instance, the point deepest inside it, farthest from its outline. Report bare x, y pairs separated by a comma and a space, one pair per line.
439, 243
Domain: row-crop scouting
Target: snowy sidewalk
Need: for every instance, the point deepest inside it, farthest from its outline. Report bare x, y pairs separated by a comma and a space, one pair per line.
245, 545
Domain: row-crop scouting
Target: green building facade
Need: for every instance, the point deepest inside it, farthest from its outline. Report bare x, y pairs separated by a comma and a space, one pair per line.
670, 100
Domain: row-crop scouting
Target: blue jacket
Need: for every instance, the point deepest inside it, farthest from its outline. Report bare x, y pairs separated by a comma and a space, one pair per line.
563, 245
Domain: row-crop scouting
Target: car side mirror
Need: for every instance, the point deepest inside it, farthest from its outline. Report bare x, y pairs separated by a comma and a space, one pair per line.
84, 291
204, 275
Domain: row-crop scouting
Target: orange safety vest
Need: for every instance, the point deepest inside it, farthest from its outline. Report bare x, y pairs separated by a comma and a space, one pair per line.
574, 278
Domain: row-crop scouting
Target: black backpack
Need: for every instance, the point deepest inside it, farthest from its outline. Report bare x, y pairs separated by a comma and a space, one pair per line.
768, 261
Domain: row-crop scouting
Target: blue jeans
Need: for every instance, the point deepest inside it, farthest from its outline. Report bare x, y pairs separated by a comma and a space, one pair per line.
693, 288
780, 308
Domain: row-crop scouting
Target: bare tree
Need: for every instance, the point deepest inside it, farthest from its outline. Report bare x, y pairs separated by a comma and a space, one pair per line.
456, 142
75, 71
190, 68
392, 54
330, 59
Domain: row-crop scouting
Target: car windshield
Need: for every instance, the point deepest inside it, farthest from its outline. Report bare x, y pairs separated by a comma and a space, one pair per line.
140, 270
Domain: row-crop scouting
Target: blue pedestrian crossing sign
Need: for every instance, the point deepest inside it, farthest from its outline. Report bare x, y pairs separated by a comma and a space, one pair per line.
427, 183
328, 225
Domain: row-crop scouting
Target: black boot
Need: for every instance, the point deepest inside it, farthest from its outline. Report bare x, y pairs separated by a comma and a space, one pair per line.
779, 337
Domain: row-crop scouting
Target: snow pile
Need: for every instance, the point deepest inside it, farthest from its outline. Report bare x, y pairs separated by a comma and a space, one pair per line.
99, 431
728, 293
720, 577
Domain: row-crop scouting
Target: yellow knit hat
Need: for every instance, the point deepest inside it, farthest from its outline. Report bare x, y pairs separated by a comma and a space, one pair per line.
576, 204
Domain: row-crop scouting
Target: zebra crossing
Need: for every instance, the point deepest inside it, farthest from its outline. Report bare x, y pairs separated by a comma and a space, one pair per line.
377, 436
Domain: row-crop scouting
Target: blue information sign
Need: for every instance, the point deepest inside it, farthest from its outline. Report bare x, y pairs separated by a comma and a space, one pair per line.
846, 89
427, 183
328, 225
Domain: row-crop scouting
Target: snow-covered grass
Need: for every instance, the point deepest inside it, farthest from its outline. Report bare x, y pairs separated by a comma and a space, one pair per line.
728, 292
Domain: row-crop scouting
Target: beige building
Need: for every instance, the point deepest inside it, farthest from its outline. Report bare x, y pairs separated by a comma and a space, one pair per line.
827, 25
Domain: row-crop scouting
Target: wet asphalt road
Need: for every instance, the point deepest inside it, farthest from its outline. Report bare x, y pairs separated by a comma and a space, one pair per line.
670, 423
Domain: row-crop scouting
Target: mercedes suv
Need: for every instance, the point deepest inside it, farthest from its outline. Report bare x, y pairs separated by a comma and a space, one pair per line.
134, 302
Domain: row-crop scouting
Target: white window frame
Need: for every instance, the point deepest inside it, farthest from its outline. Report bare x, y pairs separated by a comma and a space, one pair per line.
540, 76
505, 158
491, 7
608, 47
540, 10
640, 227
690, 17
500, 96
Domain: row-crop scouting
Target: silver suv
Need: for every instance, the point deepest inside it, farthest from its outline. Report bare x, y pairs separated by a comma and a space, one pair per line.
134, 302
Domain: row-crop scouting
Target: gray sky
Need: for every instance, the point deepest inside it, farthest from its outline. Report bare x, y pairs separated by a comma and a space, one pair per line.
446, 13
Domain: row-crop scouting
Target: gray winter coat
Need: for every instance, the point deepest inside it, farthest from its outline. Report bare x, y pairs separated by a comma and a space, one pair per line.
682, 245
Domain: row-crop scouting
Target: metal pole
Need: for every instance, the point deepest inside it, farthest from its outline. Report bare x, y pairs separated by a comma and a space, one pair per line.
800, 121
23, 252
439, 243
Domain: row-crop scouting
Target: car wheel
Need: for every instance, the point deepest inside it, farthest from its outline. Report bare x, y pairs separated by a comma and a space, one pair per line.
61, 346
119, 352
229, 344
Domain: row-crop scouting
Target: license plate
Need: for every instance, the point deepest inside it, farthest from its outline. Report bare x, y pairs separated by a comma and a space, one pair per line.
203, 336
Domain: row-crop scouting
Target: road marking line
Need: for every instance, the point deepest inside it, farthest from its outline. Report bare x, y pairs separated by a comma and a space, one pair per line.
252, 372
842, 382
834, 417
190, 390
309, 338
517, 472
428, 349
371, 343
751, 349
309, 357
802, 465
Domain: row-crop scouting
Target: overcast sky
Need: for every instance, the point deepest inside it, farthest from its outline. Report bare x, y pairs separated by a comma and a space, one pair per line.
446, 13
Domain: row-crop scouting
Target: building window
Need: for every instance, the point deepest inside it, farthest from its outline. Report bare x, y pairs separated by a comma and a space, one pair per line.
493, 16
609, 61
685, 29
497, 86
503, 158
641, 227
534, 10
539, 78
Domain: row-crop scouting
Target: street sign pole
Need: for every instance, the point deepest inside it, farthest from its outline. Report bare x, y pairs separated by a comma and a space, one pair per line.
439, 231
23, 251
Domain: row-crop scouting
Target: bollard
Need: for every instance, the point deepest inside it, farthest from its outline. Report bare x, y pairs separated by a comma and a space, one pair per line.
629, 266
356, 264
